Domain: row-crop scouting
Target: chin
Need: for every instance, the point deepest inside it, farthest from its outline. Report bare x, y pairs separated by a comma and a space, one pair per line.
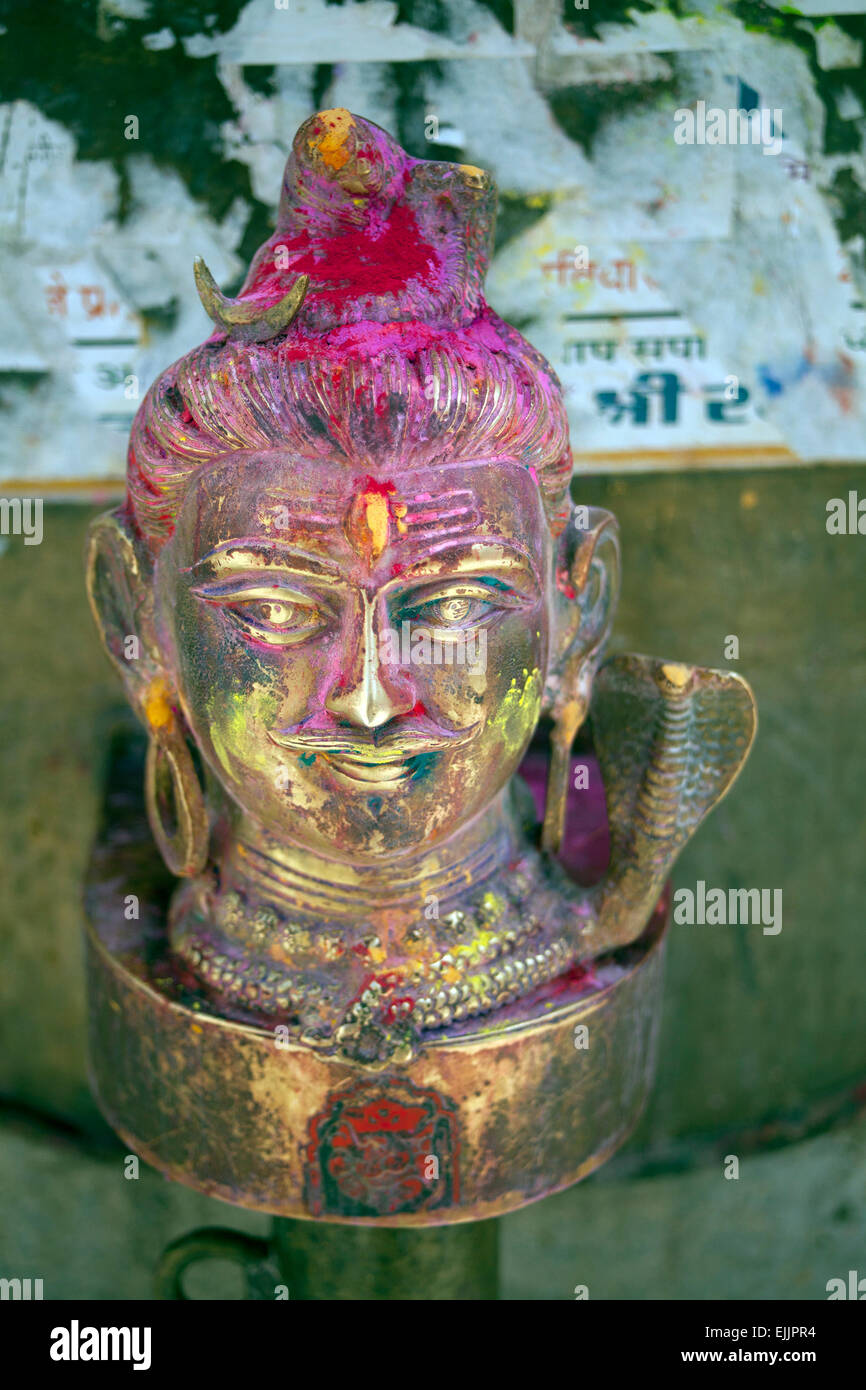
392, 832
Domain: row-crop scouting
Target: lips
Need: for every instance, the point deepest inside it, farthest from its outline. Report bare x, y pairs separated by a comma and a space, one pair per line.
378, 759
381, 774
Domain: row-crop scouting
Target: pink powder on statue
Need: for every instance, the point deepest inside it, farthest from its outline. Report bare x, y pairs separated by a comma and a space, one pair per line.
367, 338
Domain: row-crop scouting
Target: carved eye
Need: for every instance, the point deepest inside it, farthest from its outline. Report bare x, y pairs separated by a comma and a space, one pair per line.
275, 614
278, 621
453, 611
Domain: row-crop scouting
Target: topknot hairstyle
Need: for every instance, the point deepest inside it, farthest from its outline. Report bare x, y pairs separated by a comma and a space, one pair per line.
361, 332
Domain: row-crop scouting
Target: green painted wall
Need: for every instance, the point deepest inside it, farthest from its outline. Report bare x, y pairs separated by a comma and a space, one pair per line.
762, 1039
755, 1026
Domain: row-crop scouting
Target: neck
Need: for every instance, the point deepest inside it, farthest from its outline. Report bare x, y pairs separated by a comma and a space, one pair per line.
299, 879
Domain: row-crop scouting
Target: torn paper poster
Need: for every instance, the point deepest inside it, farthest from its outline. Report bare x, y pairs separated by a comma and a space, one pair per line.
697, 280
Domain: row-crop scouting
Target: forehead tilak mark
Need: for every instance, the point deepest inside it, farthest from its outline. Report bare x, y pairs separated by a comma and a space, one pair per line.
367, 521
372, 514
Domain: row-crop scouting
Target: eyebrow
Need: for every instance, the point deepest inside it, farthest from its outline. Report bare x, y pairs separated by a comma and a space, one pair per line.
479, 558
476, 557
236, 556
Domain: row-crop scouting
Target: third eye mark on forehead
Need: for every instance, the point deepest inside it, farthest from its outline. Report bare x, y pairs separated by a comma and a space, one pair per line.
458, 506
424, 516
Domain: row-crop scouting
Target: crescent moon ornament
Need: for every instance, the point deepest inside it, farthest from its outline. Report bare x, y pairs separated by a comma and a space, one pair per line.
241, 319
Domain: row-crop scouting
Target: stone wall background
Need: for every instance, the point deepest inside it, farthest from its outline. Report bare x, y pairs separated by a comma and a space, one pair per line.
763, 1044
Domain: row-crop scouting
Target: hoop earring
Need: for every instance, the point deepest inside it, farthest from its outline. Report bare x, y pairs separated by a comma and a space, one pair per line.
173, 792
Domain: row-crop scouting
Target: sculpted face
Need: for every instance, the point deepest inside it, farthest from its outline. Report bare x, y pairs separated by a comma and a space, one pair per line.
360, 658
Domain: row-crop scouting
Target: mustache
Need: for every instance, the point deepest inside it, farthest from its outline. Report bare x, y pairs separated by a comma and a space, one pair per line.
423, 735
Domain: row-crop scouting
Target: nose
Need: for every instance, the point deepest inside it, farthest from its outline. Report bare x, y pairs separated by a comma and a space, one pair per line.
368, 692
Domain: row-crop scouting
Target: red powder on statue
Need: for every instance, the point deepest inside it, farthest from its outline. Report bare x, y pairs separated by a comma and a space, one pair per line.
403, 1005
372, 484
355, 262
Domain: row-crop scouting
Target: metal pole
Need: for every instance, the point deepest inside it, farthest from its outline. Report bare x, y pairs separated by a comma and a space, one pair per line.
322, 1261
315, 1261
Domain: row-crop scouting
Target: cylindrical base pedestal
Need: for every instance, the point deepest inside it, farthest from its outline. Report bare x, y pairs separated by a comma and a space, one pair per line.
490, 1115
469, 1130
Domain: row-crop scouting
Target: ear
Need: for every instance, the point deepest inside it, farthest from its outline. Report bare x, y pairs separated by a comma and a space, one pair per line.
120, 590
587, 575
585, 595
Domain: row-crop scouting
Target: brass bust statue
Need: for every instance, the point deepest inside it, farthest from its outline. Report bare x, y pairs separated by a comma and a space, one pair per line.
357, 581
